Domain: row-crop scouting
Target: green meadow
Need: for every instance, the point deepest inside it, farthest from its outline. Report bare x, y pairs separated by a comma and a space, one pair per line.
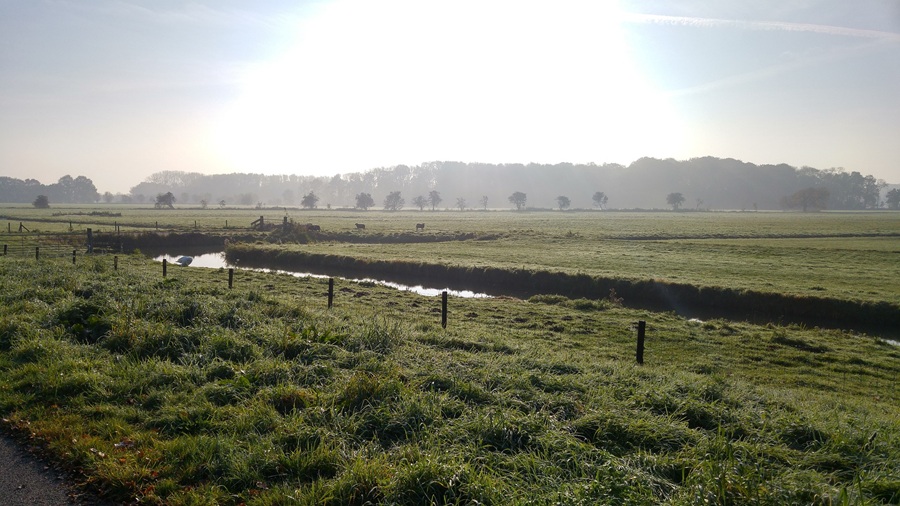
839, 255
181, 390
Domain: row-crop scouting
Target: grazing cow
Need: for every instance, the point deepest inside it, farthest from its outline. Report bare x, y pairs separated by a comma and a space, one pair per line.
313, 228
420, 226
360, 226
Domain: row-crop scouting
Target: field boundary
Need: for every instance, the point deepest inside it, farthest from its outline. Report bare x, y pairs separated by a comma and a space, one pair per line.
656, 295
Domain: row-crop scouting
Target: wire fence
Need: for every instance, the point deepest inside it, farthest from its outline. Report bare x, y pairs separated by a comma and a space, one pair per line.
42, 245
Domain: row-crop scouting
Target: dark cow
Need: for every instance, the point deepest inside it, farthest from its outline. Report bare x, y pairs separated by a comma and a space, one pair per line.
313, 228
360, 226
420, 226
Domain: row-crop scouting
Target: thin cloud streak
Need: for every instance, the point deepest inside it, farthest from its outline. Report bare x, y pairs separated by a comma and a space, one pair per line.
876, 40
761, 25
774, 70
191, 13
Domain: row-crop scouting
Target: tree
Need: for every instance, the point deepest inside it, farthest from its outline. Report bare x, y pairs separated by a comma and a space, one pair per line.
872, 191
364, 201
165, 200
893, 198
434, 198
309, 200
84, 190
483, 201
600, 199
204, 204
393, 202
518, 199
420, 202
815, 198
41, 202
108, 197
563, 202
675, 200
461, 203
222, 204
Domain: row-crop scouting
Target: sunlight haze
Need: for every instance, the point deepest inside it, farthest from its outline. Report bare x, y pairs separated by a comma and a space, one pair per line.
118, 90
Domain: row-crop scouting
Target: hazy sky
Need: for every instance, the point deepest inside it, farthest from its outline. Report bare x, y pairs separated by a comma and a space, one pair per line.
118, 89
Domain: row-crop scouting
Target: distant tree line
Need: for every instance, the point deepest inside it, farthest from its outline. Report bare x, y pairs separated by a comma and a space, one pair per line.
647, 183
68, 190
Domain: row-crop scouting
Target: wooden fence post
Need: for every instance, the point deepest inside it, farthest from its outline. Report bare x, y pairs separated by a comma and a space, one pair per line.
165, 263
444, 309
74, 253
330, 292
116, 263
4, 250
90, 240
230, 277
641, 328
37, 252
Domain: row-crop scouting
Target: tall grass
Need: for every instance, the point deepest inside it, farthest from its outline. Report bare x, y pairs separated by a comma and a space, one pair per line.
181, 391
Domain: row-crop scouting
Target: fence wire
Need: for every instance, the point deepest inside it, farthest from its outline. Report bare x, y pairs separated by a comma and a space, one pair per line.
42, 245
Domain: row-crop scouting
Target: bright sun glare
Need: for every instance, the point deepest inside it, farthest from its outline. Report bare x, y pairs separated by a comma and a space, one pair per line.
372, 84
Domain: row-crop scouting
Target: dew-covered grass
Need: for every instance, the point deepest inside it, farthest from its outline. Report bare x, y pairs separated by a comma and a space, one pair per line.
179, 390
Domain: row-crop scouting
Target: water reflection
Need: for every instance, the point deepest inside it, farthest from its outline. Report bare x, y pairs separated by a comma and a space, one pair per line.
217, 260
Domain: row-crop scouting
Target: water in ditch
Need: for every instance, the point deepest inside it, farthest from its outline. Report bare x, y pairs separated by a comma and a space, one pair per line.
217, 260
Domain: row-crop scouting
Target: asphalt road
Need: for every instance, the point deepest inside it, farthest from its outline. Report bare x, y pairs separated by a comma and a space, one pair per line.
25, 480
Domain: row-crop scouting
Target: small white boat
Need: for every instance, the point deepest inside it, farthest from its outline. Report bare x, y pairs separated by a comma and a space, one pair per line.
184, 261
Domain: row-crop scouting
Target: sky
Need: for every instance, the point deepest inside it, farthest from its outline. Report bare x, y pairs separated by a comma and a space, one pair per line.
116, 90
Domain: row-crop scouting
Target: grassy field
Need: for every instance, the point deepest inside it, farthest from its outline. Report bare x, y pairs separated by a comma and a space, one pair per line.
591, 225
852, 256
179, 390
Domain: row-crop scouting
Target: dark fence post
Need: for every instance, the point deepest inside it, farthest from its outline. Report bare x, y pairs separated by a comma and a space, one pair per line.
90, 240
74, 253
230, 277
4, 250
165, 264
330, 292
37, 252
444, 309
641, 328
115, 263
